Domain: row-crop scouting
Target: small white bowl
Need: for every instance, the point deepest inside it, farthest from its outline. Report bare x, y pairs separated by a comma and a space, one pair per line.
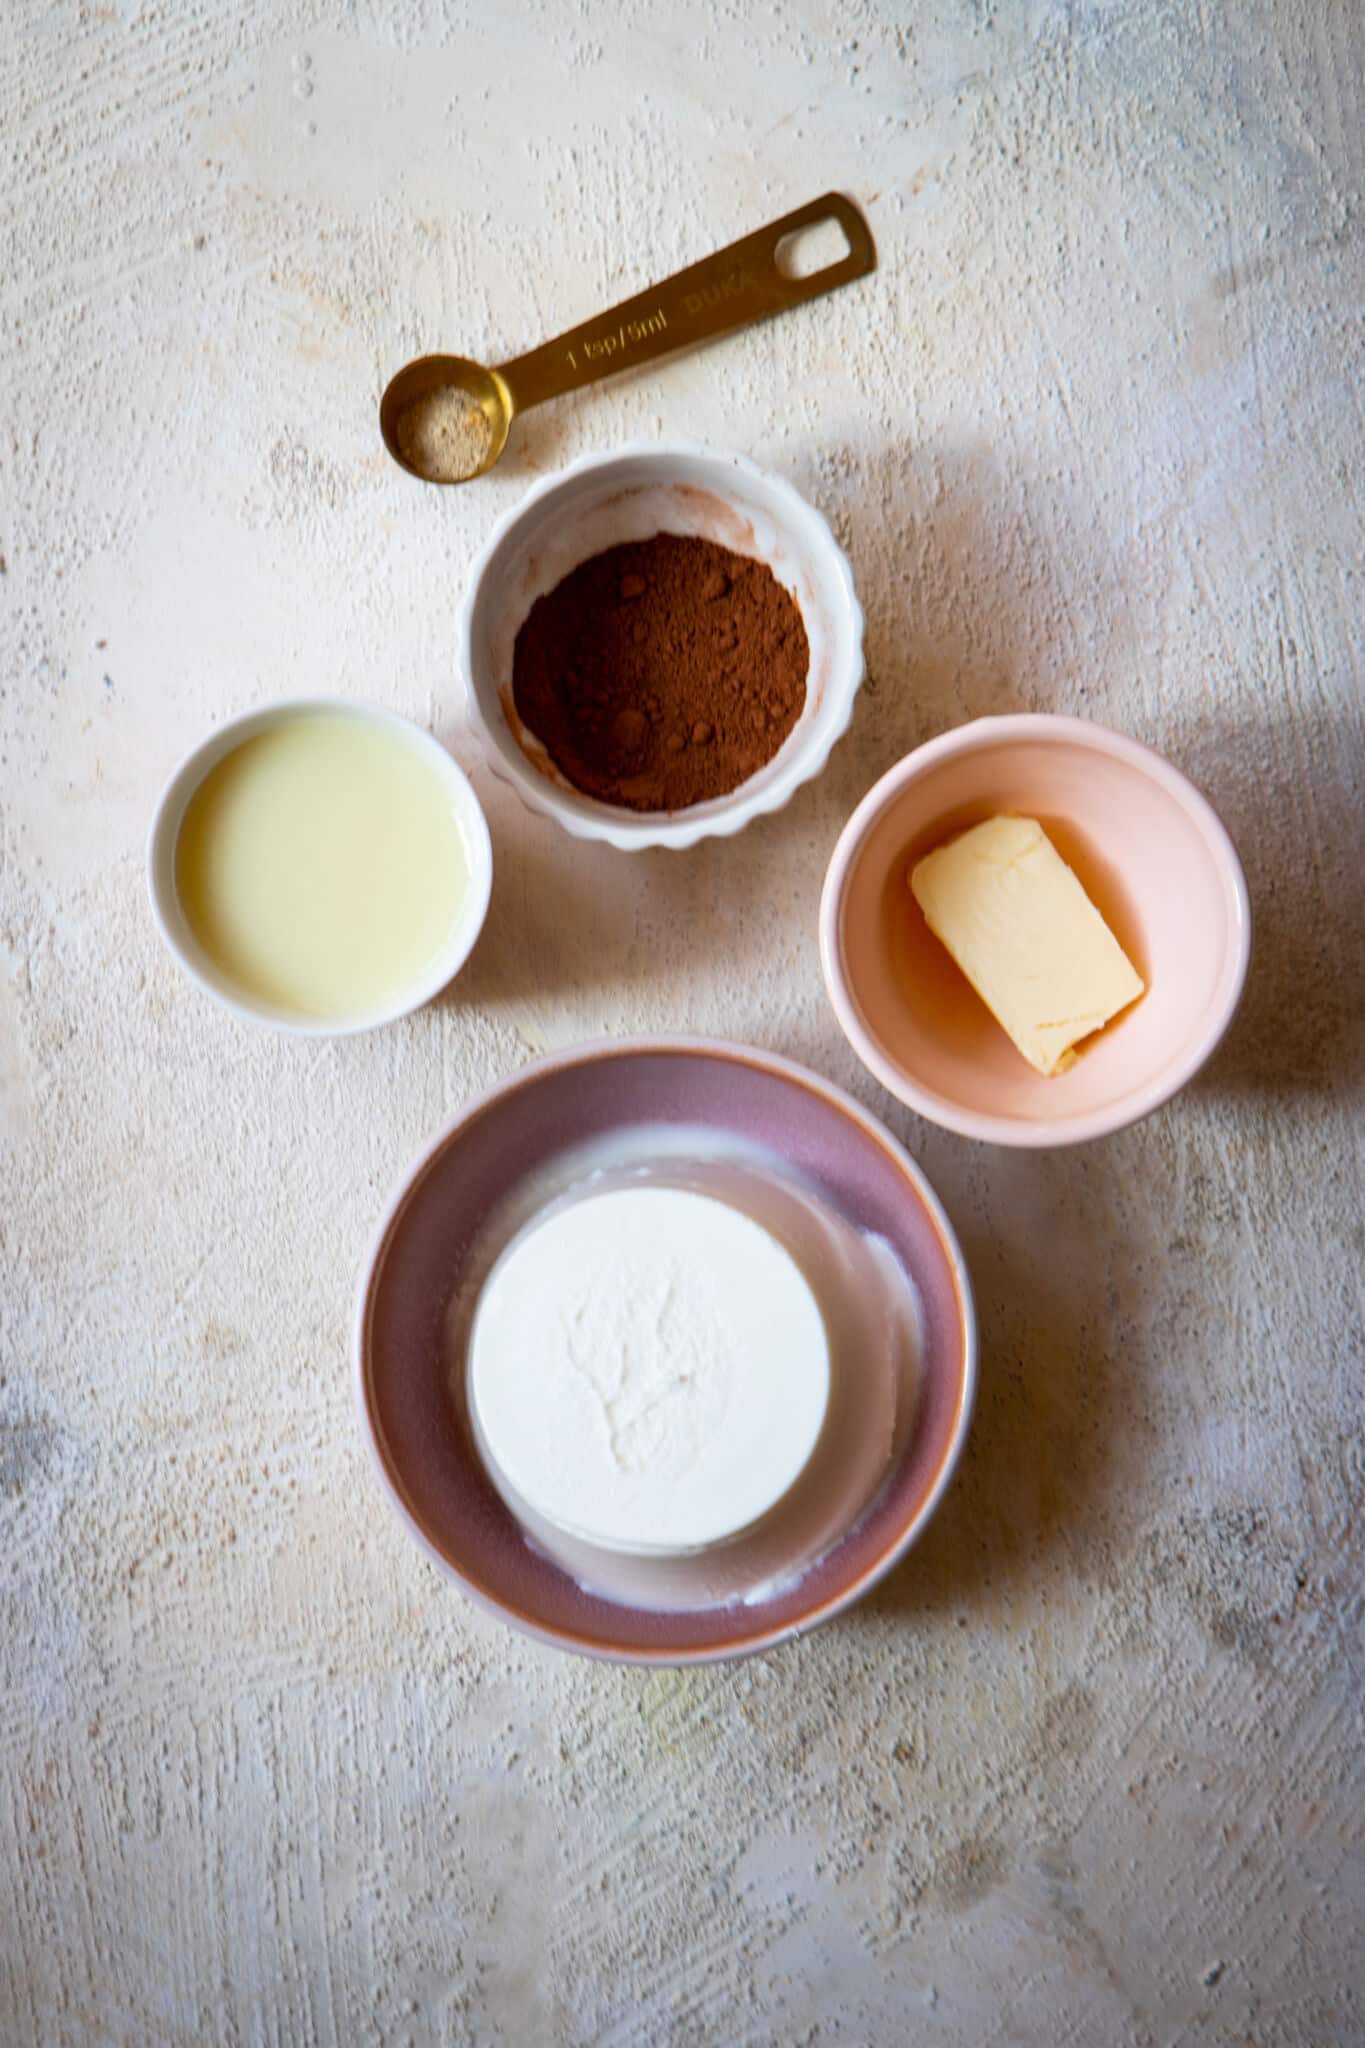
627, 495
175, 929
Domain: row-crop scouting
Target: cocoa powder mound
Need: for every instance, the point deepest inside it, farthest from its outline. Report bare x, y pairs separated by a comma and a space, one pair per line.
663, 672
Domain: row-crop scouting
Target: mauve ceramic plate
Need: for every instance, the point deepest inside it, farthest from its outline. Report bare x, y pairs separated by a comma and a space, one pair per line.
424, 1454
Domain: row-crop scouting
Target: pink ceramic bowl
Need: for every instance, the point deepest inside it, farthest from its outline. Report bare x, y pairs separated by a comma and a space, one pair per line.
1153, 857
423, 1448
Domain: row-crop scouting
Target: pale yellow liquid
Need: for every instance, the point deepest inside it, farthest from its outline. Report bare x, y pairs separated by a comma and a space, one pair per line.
321, 867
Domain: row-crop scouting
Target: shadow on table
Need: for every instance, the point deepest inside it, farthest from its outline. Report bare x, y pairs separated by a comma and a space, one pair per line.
557, 918
1041, 1440
568, 915
968, 612
1288, 791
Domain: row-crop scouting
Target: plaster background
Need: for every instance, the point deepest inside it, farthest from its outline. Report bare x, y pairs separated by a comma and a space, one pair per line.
1088, 1769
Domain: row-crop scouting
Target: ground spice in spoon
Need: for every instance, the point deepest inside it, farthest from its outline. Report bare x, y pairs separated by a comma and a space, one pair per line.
445, 435
662, 673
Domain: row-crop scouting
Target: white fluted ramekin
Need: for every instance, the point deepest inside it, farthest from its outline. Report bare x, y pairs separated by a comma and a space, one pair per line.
630, 494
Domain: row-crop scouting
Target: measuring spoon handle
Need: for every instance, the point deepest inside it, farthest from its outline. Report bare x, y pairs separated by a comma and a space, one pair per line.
738, 285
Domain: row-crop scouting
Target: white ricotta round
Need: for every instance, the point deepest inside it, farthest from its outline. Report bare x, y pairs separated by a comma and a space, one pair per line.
648, 1370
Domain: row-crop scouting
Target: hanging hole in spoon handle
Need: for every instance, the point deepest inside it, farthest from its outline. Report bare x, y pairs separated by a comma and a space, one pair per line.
740, 284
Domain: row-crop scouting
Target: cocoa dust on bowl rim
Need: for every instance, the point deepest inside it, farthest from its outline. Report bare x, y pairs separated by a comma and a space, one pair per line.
625, 498
423, 1449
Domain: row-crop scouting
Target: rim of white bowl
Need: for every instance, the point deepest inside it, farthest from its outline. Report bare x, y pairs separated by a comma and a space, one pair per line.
1138, 1102
633, 832
169, 815
857, 1112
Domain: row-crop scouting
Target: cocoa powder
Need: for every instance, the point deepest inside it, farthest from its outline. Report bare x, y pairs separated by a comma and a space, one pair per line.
663, 672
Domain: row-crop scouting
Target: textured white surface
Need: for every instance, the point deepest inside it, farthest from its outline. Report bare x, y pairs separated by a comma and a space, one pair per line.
1088, 1770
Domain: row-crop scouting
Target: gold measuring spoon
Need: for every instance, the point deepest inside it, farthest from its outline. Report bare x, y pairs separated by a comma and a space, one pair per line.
446, 419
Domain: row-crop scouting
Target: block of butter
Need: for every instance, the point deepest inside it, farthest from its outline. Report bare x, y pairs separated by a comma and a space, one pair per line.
1027, 937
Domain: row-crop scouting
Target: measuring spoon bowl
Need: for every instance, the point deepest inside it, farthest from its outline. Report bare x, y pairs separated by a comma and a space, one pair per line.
419, 380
